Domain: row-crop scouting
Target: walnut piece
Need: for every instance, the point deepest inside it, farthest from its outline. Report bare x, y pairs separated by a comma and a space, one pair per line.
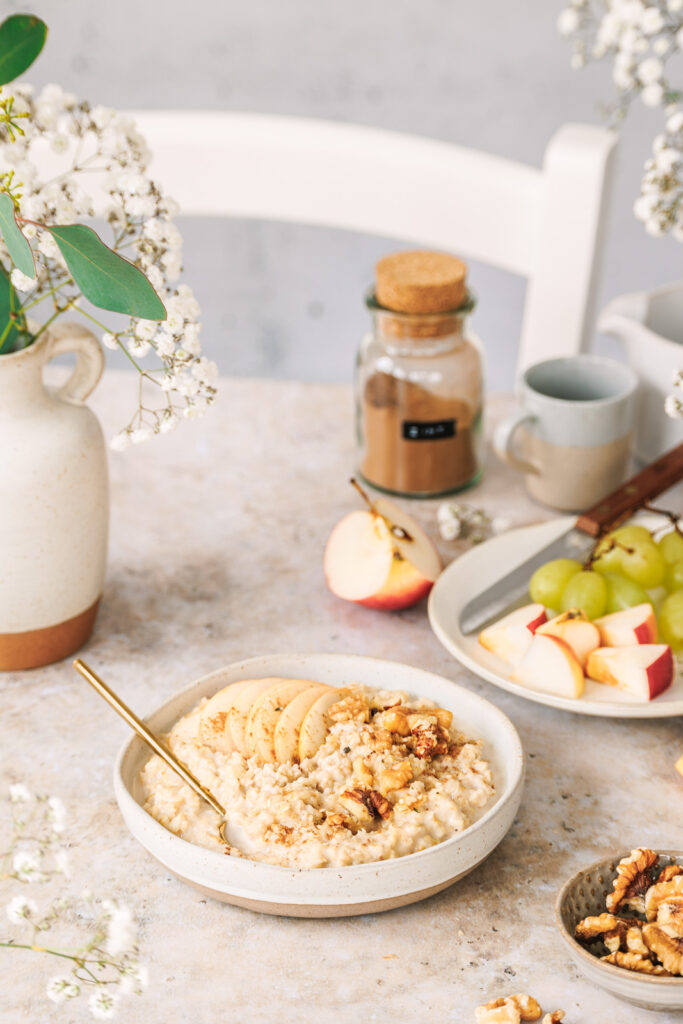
660, 892
445, 719
634, 878
591, 927
668, 948
429, 740
554, 1017
509, 1009
380, 803
633, 962
353, 708
529, 1009
670, 916
395, 777
395, 720
635, 942
356, 803
669, 872
362, 774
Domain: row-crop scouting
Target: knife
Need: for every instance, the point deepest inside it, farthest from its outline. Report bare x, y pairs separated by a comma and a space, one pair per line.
511, 591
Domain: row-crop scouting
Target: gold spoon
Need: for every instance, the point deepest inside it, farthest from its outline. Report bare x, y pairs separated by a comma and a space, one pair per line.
153, 741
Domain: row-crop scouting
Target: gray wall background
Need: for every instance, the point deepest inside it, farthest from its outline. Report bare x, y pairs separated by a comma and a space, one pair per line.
286, 301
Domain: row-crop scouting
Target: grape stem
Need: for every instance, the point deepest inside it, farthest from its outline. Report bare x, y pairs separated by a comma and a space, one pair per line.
673, 517
612, 543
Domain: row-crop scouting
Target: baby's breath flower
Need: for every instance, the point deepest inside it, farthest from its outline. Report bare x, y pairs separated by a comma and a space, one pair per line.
27, 866
20, 908
62, 987
121, 930
134, 980
102, 1004
22, 282
121, 441
57, 813
62, 863
20, 794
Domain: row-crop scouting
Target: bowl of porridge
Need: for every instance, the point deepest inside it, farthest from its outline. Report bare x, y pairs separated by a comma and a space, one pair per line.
351, 784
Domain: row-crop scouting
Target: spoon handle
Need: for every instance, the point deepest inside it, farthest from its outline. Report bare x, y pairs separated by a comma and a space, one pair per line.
147, 735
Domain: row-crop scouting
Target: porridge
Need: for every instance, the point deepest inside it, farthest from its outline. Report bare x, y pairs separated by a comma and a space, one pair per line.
313, 776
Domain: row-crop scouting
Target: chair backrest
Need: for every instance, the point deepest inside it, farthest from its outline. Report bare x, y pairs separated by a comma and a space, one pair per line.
547, 225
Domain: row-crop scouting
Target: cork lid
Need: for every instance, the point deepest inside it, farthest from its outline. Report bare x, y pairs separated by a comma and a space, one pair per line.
420, 282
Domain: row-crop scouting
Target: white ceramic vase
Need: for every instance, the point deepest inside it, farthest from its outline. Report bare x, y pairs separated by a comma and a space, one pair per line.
650, 326
54, 501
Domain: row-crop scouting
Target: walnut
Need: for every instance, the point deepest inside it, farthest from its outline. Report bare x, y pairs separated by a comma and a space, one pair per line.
395, 777
668, 948
633, 962
362, 774
592, 927
380, 803
382, 740
554, 1017
395, 720
670, 916
635, 942
660, 892
429, 740
353, 708
634, 878
529, 1009
356, 803
669, 872
445, 719
509, 1009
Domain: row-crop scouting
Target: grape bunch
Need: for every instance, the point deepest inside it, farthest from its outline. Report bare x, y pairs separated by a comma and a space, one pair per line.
627, 567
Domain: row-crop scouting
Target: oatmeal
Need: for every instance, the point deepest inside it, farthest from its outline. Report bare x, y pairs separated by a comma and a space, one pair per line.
391, 775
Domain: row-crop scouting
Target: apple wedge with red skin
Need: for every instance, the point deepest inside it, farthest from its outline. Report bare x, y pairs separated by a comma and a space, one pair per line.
645, 670
509, 637
576, 629
636, 625
380, 557
551, 666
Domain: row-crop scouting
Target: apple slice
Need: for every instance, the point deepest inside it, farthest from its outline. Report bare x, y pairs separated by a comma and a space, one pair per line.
239, 711
380, 557
286, 738
551, 666
509, 638
636, 625
214, 718
645, 670
316, 723
264, 714
576, 629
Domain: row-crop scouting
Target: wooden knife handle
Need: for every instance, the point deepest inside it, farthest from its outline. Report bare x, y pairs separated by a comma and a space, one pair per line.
632, 495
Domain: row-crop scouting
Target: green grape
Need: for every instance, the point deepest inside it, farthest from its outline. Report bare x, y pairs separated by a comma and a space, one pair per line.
607, 556
588, 591
623, 593
671, 547
671, 621
547, 584
643, 564
633, 535
674, 577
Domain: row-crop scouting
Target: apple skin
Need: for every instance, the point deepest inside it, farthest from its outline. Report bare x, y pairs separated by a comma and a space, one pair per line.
404, 587
509, 638
645, 670
549, 659
636, 625
576, 630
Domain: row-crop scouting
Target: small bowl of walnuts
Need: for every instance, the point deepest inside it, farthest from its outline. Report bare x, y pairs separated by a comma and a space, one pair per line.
622, 919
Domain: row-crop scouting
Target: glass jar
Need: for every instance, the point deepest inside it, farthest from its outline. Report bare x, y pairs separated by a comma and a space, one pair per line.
419, 397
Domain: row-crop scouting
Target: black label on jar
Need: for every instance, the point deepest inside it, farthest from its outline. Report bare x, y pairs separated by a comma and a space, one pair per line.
428, 430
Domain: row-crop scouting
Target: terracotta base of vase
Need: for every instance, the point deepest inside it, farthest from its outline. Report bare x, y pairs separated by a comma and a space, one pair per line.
39, 647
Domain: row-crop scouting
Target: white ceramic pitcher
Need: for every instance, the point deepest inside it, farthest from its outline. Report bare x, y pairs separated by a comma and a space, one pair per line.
650, 326
54, 501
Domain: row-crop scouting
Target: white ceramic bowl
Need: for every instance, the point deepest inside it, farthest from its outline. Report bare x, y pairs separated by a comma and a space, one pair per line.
584, 895
345, 891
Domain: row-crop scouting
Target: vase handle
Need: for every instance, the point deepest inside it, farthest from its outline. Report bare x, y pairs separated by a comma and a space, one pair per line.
73, 337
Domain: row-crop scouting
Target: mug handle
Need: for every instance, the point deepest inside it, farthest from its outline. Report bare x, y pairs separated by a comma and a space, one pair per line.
504, 436
73, 337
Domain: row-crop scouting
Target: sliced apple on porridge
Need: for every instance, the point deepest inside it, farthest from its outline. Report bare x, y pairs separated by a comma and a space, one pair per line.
288, 728
317, 722
239, 713
264, 715
214, 718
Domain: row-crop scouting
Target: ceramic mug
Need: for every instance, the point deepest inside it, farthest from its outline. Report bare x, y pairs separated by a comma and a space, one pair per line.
573, 430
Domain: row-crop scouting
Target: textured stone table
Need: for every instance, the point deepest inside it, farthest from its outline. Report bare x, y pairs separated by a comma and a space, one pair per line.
216, 544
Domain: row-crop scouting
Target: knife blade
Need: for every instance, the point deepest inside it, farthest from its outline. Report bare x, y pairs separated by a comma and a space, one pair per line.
511, 590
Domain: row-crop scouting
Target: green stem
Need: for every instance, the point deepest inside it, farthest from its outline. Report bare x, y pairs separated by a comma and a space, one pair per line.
105, 328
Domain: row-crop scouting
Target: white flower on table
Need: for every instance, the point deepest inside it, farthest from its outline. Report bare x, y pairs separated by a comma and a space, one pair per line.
102, 1004
20, 794
56, 813
21, 908
121, 929
27, 866
62, 987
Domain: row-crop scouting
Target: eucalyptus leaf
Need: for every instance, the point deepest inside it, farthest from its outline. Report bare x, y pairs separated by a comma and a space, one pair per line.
9, 301
106, 279
22, 37
16, 242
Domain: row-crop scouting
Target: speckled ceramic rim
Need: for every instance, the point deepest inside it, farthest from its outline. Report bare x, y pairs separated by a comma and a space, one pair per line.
353, 884
603, 865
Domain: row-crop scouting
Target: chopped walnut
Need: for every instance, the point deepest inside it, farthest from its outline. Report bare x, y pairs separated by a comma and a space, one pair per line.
395, 720
429, 740
529, 1008
362, 774
353, 708
634, 878
356, 803
633, 962
635, 942
660, 892
554, 1017
591, 927
668, 948
500, 1011
445, 719
670, 916
395, 777
380, 803
669, 872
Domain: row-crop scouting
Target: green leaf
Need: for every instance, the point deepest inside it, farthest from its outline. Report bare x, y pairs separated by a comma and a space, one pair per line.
22, 37
19, 249
105, 278
9, 301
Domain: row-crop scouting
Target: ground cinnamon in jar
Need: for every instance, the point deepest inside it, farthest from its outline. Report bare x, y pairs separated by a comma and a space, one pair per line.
419, 388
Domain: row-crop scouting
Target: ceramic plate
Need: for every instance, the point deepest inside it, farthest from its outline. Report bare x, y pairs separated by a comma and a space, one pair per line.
476, 570
332, 892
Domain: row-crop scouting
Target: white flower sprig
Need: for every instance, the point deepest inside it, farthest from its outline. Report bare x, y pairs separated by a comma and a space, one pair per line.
640, 37
458, 521
105, 965
99, 149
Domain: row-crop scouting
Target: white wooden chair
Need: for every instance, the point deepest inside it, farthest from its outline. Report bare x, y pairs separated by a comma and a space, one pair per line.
547, 225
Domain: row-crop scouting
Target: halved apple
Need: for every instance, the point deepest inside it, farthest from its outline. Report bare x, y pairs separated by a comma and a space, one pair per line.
240, 709
551, 666
509, 638
316, 723
380, 557
264, 714
636, 625
286, 738
645, 670
576, 629
214, 718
